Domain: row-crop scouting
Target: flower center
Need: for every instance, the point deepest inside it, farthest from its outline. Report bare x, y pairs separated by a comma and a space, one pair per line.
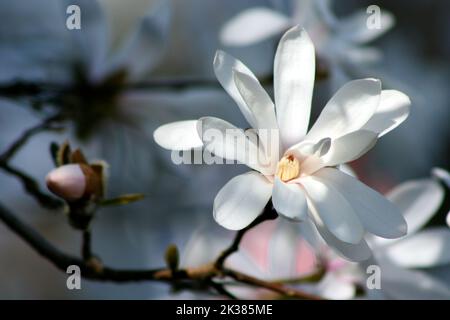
288, 168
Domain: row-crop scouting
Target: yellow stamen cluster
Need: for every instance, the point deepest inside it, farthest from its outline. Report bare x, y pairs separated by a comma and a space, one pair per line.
288, 168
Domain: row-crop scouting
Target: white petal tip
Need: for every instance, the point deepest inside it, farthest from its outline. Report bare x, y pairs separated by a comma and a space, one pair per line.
239, 76
441, 174
297, 28
297, 32
362, 257
67, 182
229, 224
402, 230
218, 57
374, 80
389, 20
178, 136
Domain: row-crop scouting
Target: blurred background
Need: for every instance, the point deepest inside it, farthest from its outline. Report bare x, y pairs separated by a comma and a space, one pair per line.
136, 44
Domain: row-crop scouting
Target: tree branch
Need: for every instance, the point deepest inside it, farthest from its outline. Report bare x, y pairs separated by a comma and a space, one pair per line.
30, 185
273, 286
86, 247
221, 290
190, 276
46, 124
32, 188
269, 213
24, 88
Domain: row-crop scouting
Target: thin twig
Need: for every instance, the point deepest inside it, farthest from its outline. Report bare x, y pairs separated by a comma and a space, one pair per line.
86, 251
220, 288
268, 214
46, 124
32, 188
273, 286
30, 185
193, 276
24, 88
33, 89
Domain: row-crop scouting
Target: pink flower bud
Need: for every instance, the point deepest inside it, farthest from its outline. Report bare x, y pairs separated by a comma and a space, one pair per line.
68, 182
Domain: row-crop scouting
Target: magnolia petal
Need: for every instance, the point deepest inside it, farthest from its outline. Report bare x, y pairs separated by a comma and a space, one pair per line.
392, 111
202, 245
442, 174
311, 155
418, 200
241, 200
294, 72
226, 141
90, 42
429, 248
333, 209
144, 49
348, 110
401, 283
289, 200
309, 232
354, 27
257, 100
122, 26
353, 252
283, 251
307, 260
335, 288
304, 149
350, 147
445, 177
224, 65
254, 248
263, 110
67, 181
345, 168
180, 135
252, 26
378, 215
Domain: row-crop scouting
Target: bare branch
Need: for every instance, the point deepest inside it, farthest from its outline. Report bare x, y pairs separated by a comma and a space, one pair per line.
46, 124
32, 188
189, 276
30, 185
269, 213
273, 286
221, 290
86, 248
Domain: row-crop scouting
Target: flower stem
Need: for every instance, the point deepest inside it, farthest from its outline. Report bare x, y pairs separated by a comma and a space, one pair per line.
269, 213
189, 277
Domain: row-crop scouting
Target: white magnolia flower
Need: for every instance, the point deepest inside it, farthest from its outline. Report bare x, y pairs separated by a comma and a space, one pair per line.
274, 251
282, 254
271, 251
404, 261
108, 40
113, 50
304, 182
443, 175
340, 42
